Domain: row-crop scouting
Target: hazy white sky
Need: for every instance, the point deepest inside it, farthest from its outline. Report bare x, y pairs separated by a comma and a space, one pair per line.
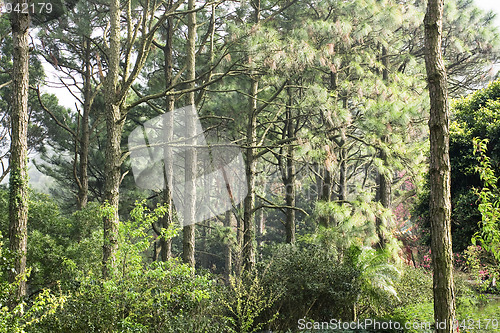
493, 5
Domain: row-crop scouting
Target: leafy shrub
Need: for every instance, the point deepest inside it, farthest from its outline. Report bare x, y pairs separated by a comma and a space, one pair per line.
19, 315
415, 303
139, 296
317, 284
159, 297
245, 303
482, 268
312, 284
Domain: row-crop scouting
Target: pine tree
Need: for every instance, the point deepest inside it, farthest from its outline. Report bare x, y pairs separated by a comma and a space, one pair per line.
439, 170
191, 164
18, 180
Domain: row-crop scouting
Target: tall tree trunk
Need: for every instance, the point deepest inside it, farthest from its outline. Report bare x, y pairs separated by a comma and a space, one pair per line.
383, 181
325, 188
289, 174
248, 251
261, 228
238, 260
188, 245
439, 169
18, 181
114, 125
342, 195
83, 187
166, 220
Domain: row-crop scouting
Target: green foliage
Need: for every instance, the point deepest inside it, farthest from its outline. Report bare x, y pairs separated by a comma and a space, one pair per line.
482, 268
21, 315
140, 296
477, 115
158, 297
246, 300
312, 282
135, 237
378, 278
415, 303
318, 283
489, 207
57, 243
346, 75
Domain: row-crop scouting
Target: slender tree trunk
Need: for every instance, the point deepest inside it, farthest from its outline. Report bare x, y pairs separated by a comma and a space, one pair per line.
238, 260
166, 244
18, 181
325, 192
191, 158
343, 169
439, 169
248, 251
261, 227
83, 187
384, 197
229, 222
114, 126
383, 181
289, 174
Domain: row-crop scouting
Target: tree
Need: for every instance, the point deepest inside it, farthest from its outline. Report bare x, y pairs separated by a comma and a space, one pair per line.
68, 45
470, 44
114, 126
119, 79
439, 170
18, 179
188, 244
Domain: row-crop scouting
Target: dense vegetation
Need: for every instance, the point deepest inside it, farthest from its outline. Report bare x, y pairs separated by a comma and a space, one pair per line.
325, 101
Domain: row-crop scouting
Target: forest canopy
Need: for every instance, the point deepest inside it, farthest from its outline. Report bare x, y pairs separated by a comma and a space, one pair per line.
240, 166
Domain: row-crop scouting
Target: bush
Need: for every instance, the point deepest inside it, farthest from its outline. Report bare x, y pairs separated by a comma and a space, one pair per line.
138, 296
19, 315
161, 297
312, 284
246, 302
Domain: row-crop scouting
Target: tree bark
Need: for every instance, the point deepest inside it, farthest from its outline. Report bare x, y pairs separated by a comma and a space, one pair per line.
325, 193
18, 179
342, 195
440, 202
166, 244
289, 174
229, 222
384, 182
188, 245
384, 197
238, 259
83, 187
114, 126
248, 251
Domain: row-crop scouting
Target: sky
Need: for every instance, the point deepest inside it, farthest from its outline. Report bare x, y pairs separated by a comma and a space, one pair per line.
493, 5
